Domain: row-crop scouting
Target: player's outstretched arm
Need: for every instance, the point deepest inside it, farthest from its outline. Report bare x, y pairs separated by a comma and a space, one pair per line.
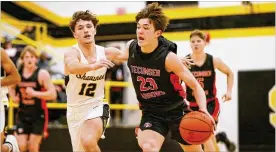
113, 53
173, 64
12, 76
72, 63
74, 66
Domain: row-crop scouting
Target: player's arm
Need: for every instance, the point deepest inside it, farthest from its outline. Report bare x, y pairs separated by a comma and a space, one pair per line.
221, 66
173, 64
13, 76
44, 80
13, 94
72, 63
113, 53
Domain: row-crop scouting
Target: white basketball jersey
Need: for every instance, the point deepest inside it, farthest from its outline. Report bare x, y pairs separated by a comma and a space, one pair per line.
89, 87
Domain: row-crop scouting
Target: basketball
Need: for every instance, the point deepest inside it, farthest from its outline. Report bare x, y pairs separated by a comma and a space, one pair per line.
196, 127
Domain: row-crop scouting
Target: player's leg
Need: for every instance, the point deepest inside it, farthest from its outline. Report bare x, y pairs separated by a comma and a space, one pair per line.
22, 140
36, 135
150, 140
213, 108
93, 128
175, 132
191, 148
11, 142
23, 131
10, 145
90, 133
6, 147
34, 142
151, 133
2, 122
222, 137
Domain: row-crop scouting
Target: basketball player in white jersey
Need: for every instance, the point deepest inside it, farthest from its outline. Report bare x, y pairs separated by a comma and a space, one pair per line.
12, 77
85, 68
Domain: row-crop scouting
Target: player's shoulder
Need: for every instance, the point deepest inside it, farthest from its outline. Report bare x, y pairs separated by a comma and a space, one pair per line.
72, 51
43, 72
213, 57
100, 47
132, 42
171, 56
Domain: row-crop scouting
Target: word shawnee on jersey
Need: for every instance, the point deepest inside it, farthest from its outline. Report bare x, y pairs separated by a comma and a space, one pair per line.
88, 87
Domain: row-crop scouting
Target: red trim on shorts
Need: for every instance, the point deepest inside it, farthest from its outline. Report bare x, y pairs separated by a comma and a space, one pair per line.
214, 87
216, 110
46, 117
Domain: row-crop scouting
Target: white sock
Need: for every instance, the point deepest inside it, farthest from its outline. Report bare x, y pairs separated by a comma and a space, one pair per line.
9, 145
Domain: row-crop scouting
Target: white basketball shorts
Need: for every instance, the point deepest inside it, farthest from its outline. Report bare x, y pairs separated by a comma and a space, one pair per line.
77, 115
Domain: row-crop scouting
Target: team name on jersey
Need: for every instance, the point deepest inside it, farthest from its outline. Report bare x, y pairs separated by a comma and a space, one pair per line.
145, 71
91, 78
27, 84
202, 73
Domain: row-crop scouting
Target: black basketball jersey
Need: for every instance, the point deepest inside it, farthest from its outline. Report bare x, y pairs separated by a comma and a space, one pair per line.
29, 105
156, 89
206, 76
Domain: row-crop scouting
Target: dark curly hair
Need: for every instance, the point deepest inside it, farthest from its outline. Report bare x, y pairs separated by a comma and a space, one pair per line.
83, 15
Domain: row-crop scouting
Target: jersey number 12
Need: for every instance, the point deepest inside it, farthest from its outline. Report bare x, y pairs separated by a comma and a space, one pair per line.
88, 89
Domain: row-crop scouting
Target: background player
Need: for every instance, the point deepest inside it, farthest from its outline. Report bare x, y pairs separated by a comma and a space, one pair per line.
10, 77
85, 68
31, 93
203, 70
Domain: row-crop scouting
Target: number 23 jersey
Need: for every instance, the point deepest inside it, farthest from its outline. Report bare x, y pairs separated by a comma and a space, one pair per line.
88, 87
156, 89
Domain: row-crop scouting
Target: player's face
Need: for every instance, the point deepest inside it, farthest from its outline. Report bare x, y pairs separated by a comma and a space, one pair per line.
85, 31
29, 60
197, 44
145, 32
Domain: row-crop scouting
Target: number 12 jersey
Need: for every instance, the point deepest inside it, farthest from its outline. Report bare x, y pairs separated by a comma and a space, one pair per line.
88, 87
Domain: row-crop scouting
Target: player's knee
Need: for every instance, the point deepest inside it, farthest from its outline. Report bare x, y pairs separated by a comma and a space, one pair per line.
89, 142
33, 147
149, 146
4, 148
23, 148
209, 146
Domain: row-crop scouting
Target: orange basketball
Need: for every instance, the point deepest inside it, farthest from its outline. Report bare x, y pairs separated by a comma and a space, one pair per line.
196, 127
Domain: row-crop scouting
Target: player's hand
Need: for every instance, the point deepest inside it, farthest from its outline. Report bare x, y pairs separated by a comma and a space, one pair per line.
30, 92
187, 61
16, 99
212, 119
102, 63
227, 96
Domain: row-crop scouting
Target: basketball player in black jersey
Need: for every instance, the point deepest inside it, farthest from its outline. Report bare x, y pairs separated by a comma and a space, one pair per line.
10, 77
155, 71
203, 70
31, 93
